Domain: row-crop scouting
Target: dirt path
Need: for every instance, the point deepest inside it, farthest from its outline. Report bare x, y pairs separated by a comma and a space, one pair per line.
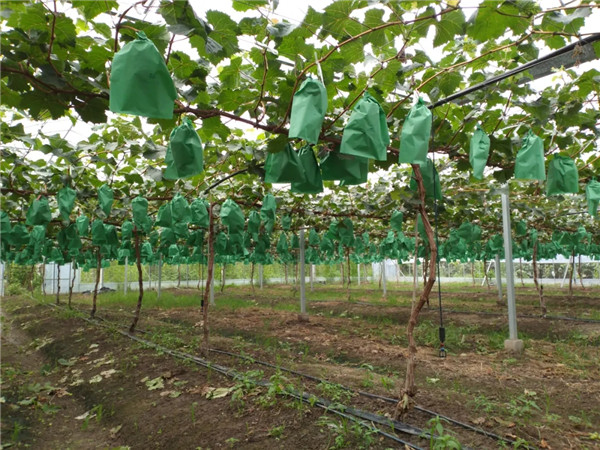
38, 408
139, 398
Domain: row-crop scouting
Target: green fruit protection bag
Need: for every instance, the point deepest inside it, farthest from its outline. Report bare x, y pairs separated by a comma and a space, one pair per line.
286, 222
592, 195
66, 199
19, 235
180, 209
529, 164
313, 238
199, 213
139, 207
83, 225
232, 217
267, 212
336, 166
479, 151
126, 230
39, 212
431, 181
308, 111
346, 232
284, 167
396, 221
313, 183
140, 82
105, 198
112, 240
414, 138
253, 222
364, 174
563, 177
521, 228
184, 155
98, 233
164, 217
366, 134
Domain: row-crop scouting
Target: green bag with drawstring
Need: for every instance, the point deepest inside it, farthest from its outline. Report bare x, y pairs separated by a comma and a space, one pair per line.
126, 230
431, 181
199, 213
164, 216
308, 111
364, 174
98, 233
267, 212
563, 177
529, 164
313, 183
186, 153
396, 221
346, 232
66, 200
105, 198
180, 209
140, 82
521, 228
592, 196
366, 133
284, 167
336, 166
139, 207
416, 131
479, 152
253, 222
39, 212
313, 238
286, 222
19, 235
232, 216
83, 225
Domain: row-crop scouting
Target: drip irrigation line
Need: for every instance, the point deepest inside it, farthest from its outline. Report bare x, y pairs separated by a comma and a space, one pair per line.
356, 415
365, 394
493, 80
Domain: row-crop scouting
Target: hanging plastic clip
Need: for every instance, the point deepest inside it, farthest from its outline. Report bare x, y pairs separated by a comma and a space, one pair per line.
319, 70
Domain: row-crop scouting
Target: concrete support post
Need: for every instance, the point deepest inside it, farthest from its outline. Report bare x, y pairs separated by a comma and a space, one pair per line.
303, 316
125, 281
358, 274
498, 277
383, 279
513, 343
159, 276
260, 276
312, 276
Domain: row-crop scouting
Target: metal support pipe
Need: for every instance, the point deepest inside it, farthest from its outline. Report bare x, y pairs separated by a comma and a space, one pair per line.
510, 272
312, 276
498, 277
358, 274
302, 275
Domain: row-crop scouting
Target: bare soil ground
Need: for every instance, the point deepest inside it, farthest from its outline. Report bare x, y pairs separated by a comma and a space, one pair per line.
57, 367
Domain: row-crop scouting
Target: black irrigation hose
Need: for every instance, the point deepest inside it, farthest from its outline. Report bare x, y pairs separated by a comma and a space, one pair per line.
341, 410
367, 394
